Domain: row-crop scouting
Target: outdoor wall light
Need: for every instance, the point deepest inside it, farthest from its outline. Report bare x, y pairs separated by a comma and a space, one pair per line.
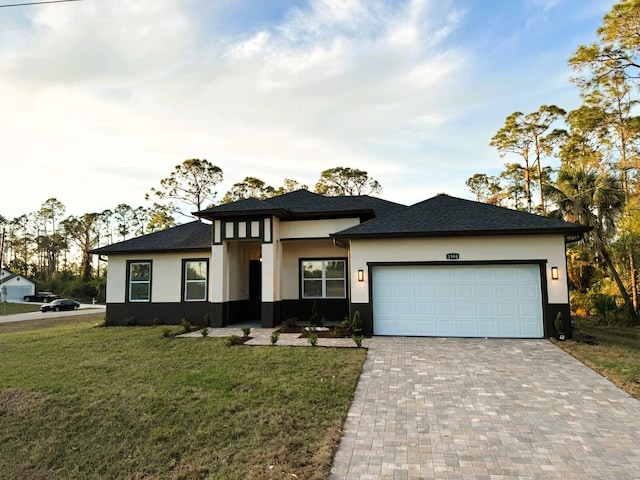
554, 273
361, 275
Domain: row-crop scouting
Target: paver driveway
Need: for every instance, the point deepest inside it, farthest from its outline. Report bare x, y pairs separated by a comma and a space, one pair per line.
485, 409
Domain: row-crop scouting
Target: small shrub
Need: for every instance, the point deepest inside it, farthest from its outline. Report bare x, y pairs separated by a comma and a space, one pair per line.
166, 332
605, 305
206, 320
312, 339
130, 321
356, 324
558, 323
232, 340
357, 339
345, 324
290, 322
246, 331
275, 336
336, 332
316, 319
186, 325
204, 332
156, 321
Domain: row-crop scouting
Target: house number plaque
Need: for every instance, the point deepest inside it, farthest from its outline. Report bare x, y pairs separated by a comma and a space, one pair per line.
453, 256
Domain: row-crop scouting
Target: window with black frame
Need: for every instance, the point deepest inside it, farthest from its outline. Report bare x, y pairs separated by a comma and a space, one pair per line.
195, 280
324, 278
139, 281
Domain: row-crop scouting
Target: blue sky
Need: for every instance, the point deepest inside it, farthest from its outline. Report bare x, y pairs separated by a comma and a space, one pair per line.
100, 99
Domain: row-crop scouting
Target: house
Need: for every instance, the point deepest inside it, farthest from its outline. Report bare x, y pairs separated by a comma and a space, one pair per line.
442, 267
17, 286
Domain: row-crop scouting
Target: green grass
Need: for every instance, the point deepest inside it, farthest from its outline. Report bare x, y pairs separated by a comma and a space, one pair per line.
8, 308
616, 355
79, 401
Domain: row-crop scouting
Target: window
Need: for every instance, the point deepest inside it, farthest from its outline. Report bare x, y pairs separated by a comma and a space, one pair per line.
195, 280
139, 281
324, 279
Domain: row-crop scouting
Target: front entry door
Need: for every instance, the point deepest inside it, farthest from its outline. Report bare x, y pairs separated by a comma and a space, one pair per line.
255, 289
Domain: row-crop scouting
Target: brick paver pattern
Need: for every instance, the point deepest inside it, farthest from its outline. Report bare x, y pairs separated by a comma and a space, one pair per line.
485, 409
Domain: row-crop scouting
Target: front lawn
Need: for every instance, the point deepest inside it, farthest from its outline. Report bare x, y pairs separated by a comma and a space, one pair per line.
8, 308
79, 401
616, 355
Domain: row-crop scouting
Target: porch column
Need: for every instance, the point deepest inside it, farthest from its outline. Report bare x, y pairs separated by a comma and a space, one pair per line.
271, 270
218, 285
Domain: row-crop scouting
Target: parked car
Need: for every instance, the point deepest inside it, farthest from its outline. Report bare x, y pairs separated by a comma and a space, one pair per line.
60, 304
41, 297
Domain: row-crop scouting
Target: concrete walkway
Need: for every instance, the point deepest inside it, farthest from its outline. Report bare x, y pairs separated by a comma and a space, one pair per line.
485, 409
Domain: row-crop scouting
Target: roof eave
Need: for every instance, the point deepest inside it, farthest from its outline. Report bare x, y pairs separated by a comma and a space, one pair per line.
100, 251
464, 233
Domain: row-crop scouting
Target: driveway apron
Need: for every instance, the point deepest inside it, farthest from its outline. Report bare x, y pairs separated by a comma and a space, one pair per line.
485, 409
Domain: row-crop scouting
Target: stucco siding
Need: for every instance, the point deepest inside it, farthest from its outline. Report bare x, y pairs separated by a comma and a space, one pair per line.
315, 228
166, 276
482, 249
292, 252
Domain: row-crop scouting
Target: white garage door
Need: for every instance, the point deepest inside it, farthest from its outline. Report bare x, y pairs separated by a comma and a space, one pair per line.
458, 301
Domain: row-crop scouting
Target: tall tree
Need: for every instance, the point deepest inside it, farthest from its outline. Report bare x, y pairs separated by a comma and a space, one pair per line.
486, 188
83, 232
126, 220
192, 182
530, 137
593, 198
617, 51
160, 217
250, 187
340, 181
289, 185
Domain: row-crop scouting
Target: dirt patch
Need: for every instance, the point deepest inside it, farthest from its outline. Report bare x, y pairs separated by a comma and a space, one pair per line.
33, 473
15, 401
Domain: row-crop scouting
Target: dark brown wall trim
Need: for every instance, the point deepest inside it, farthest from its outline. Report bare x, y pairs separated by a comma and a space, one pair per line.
171, 313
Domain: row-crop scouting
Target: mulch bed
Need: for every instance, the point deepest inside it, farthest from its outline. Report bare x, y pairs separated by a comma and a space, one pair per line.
334, 331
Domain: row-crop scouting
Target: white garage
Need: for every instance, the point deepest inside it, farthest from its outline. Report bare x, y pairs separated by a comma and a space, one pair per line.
458, 301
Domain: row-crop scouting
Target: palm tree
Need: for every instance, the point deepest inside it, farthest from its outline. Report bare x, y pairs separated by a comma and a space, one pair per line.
595, 198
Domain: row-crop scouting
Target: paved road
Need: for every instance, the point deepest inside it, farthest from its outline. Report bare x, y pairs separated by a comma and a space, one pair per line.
485, 409
19, 317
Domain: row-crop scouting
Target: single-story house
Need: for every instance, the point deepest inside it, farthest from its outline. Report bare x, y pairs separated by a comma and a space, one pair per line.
14, 287
442, 267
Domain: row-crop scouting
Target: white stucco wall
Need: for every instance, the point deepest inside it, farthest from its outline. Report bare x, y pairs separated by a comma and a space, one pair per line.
166, 275
291, 254
315, 228
533, 247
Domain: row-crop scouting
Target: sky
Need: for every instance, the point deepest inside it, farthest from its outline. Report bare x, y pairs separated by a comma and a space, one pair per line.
101, 99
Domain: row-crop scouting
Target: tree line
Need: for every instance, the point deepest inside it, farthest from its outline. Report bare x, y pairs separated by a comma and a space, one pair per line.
597, 150
53, 249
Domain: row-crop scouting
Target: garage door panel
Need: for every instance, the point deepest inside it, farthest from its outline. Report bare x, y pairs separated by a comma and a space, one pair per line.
464, 291
525, 293
464, 309
443, 291
508, 329
444, 310
403, 290
485, 292
405, 309
424, 309
506, 292
469, 301
423, 291
487, 328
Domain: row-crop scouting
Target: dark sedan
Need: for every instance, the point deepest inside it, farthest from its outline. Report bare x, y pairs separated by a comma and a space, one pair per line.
60, 304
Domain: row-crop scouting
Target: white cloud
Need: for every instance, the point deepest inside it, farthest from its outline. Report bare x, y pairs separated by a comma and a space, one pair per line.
115, 94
